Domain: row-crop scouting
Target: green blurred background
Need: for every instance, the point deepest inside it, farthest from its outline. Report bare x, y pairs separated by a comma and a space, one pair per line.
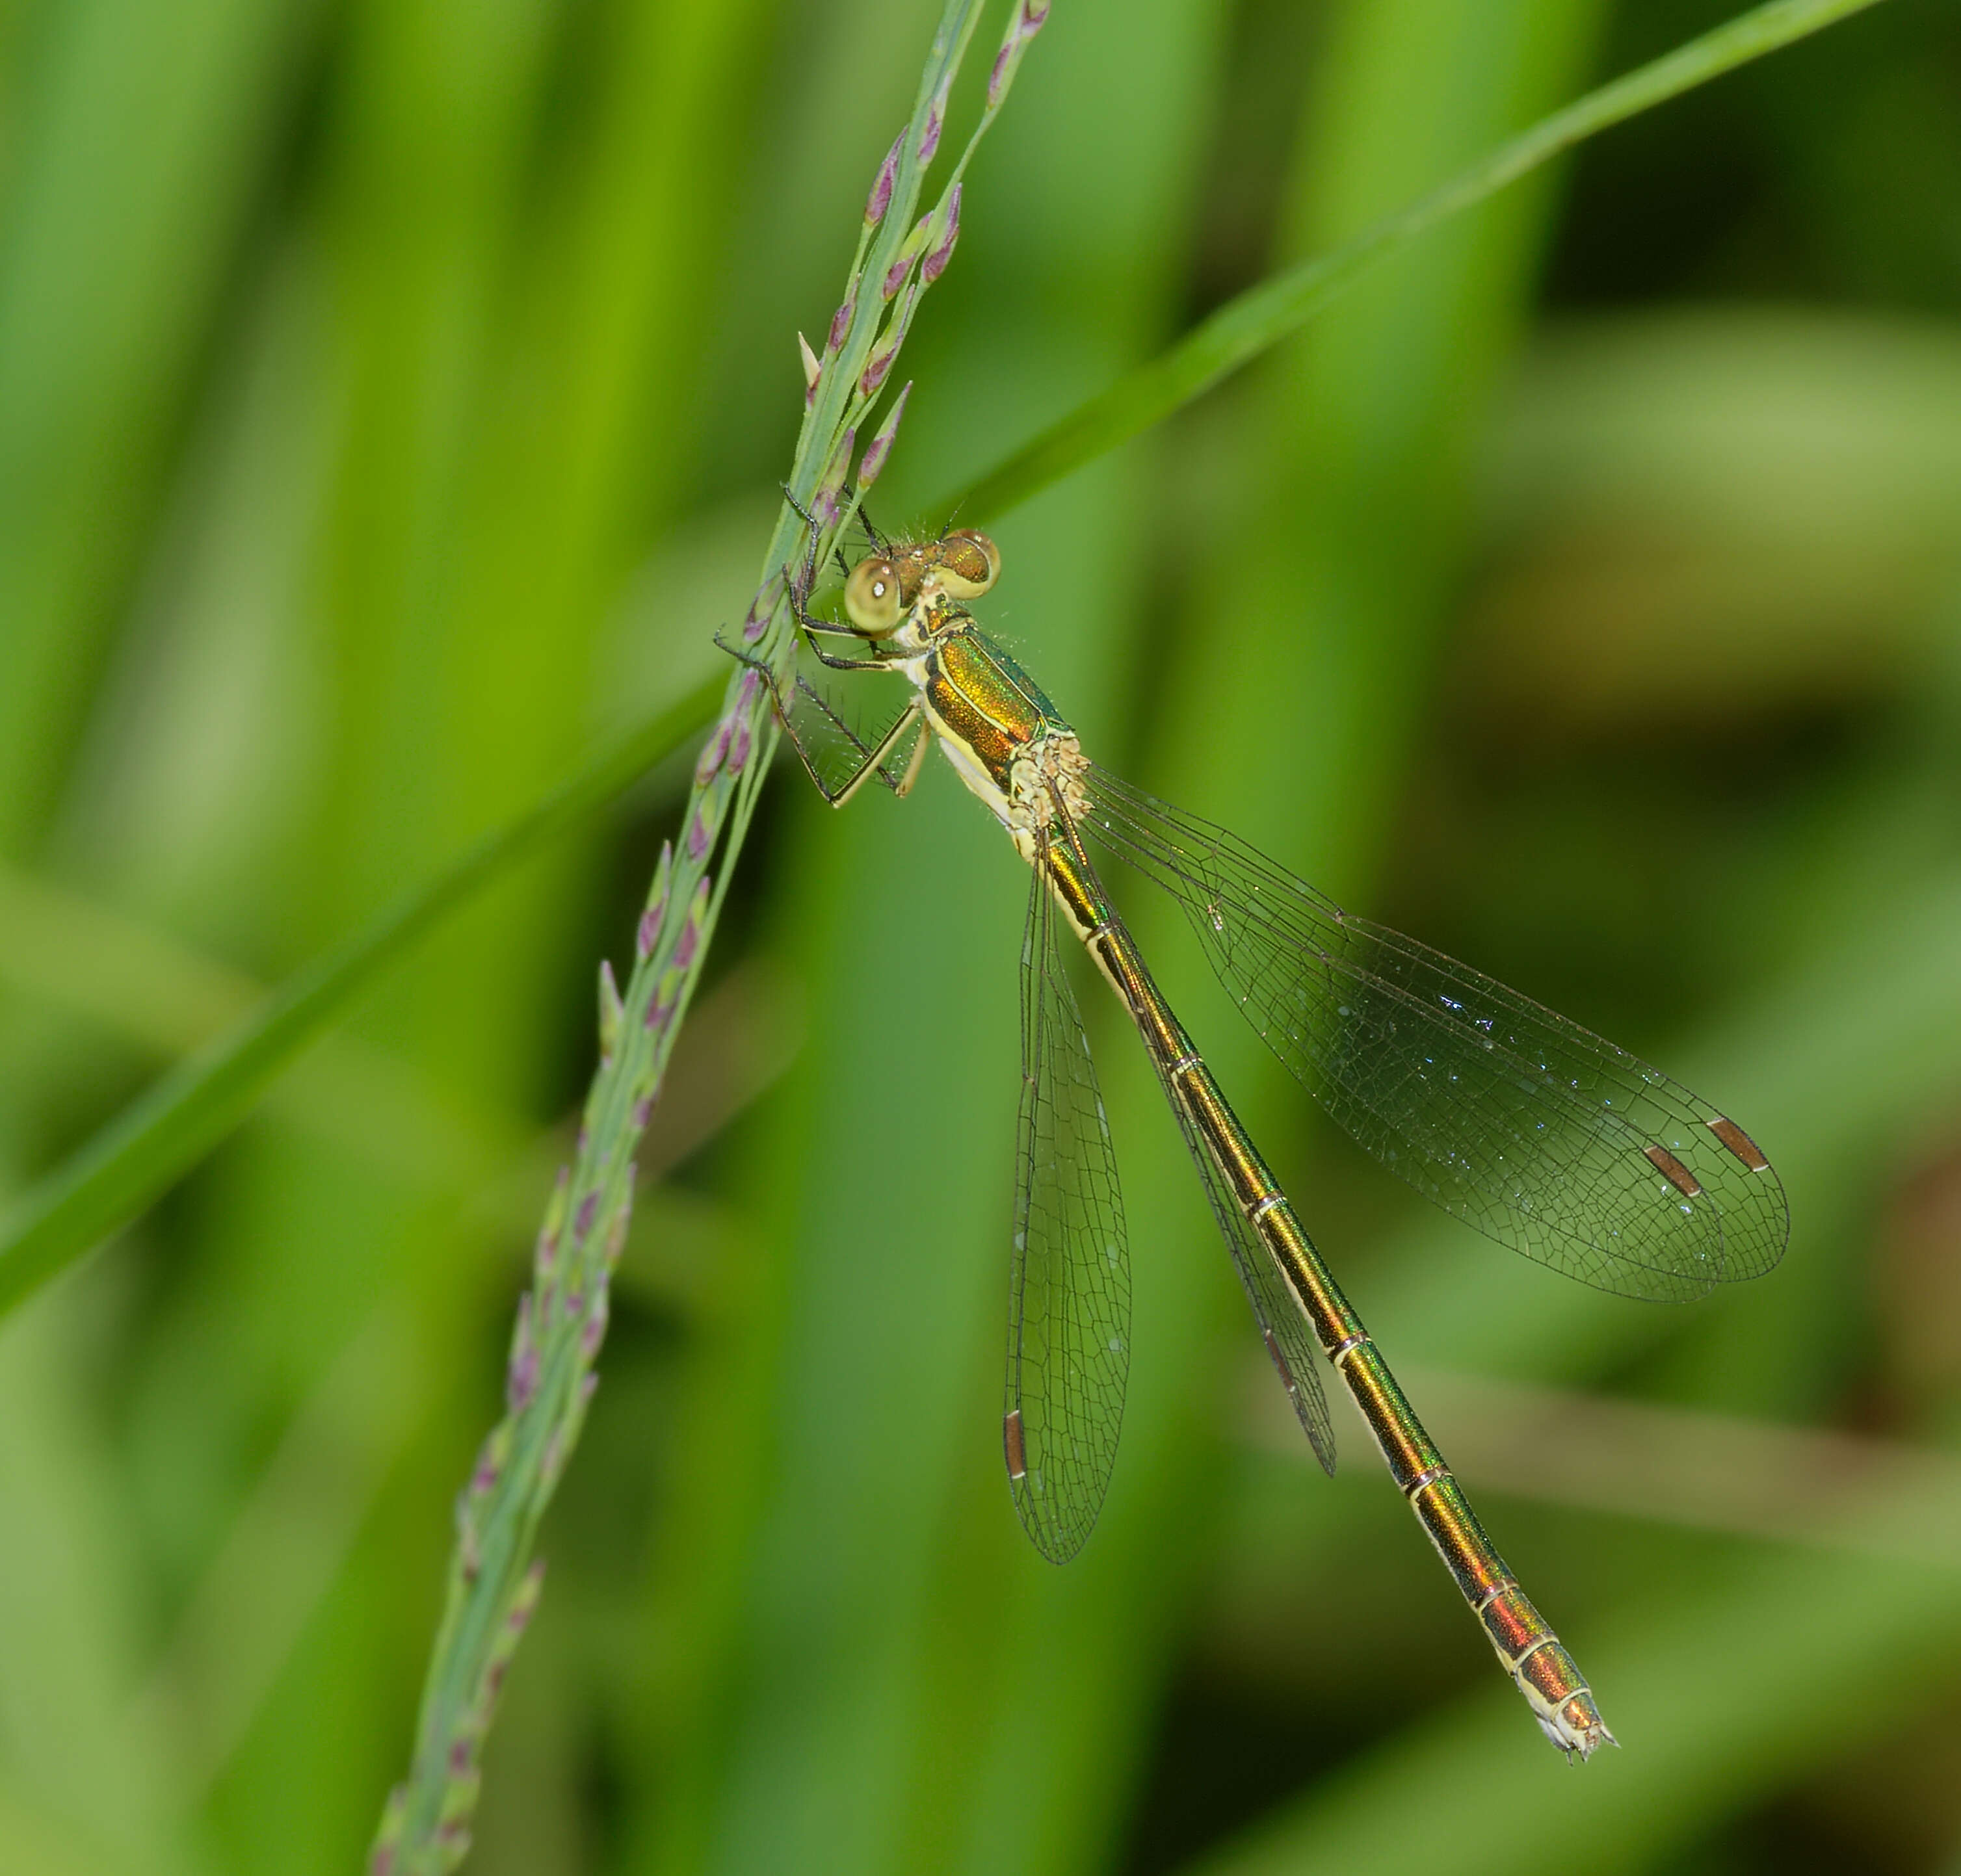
392, 395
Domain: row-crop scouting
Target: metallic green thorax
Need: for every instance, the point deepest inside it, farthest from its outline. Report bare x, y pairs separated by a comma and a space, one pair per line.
979, 697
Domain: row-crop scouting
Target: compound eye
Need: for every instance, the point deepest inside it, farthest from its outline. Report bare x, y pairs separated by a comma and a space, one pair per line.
871, 597
969, 563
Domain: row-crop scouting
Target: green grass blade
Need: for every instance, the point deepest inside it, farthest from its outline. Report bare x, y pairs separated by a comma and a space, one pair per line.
165, 1132
1264, 315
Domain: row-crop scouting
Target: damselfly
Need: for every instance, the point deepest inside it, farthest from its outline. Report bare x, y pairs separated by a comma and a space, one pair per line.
1520, 1122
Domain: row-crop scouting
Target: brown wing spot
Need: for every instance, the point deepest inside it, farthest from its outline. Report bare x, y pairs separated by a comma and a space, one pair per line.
1672, 1169
1739, 1143
1279, 1360
1011, 1440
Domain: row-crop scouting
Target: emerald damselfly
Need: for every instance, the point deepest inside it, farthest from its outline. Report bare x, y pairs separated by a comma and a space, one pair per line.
1523, 1124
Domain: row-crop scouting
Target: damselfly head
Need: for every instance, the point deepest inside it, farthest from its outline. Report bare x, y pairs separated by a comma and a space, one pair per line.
873, 599
968, 563
887, 585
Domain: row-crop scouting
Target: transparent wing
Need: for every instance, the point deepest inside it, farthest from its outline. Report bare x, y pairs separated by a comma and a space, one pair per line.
1069, 1308
1289, 1340
1529, 1127
1296, 1356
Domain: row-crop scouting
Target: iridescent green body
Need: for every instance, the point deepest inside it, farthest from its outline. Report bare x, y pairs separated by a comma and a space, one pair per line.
992, 720
1014, 749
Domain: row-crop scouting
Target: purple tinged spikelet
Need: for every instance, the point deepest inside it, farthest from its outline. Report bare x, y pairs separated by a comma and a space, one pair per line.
611, 1010
525, 1602
690, 940
548, 1248
880, 445
840, 325
588, 1207
523, 1605
824, 503
521, 1379
655, 915
622, 1213
712, 751
518, 1613
469, 1546
880, 364
700, 835
997, 75
643, 1112
1028, 19
743, 737
895, 276
934, 263
880, 197
592, 1331
756, 621
589, 1386
935, 122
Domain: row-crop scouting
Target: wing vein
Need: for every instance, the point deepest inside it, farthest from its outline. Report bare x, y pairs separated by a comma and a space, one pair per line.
1509, 1116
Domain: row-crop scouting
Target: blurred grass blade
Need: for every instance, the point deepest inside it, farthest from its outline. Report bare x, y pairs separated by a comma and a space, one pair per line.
137, 137
1264, 315
168, 1129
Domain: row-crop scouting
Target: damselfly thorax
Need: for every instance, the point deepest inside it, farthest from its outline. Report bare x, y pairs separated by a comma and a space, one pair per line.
1005, 740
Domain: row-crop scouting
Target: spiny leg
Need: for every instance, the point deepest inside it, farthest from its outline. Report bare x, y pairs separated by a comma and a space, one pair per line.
799, 595
908, 718
852, 506
903, 786
882, 542
871, 758
800, 589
